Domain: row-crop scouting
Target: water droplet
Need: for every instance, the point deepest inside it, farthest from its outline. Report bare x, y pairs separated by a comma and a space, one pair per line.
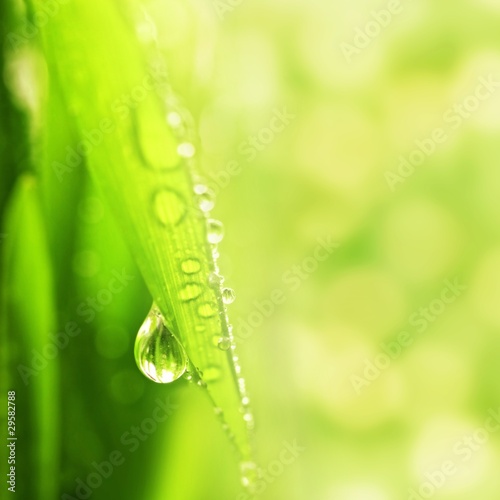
151, 130
215, 280
245, 400
211, 373
249, 420
169, 206
205, 197
207, 309
215, 231
200, 188
190, 266
174, 119
249, 474
186, 150
242, 385
158, 353
190, 291
218, 411
247, 416
228, 295
224, 343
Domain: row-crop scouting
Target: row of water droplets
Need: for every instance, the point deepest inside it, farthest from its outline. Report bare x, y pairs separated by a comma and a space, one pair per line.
158, 353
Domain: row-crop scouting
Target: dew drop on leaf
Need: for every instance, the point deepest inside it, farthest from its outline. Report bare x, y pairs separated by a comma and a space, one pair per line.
215, 231
169, 206
190, 266
199, 328
158, 353
249, 474
200, 188
248, 418
151, 129
224, 343
174, 119
228, 295
205, 197
215, 280
190, 291
207, 310
212, 373
186, 150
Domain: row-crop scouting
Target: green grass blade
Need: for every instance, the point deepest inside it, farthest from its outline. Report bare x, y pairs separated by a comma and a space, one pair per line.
132, 154
28, 320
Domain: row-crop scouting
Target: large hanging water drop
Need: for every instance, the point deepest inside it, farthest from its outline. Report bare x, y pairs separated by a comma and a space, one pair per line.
158, 353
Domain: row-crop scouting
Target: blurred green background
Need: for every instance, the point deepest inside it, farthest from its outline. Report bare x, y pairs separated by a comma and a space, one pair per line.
371, 125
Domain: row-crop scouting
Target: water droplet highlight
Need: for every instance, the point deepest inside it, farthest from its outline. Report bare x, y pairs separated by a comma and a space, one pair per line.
228, 295
215, 231
158, 353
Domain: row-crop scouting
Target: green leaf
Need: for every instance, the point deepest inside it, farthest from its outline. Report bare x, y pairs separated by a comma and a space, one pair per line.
133, 157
